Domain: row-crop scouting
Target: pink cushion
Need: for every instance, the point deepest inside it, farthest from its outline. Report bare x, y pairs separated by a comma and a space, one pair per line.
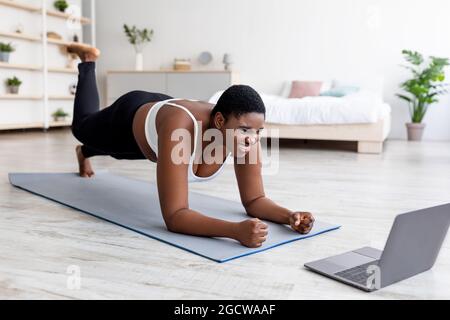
301, 89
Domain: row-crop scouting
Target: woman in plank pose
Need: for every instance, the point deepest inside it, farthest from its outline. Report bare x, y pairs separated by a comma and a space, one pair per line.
142, 125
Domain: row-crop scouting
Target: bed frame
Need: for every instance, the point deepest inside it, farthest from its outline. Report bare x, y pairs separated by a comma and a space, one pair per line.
369, 136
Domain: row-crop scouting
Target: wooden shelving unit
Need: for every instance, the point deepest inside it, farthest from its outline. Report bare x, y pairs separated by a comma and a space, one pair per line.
42, 12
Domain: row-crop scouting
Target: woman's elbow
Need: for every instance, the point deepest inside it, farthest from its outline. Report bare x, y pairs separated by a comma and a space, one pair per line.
172, 227
171, 221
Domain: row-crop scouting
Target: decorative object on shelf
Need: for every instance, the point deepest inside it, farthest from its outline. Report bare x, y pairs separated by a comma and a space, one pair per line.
59, 115
75, 38
54, 35
205, 58
182, 64
227, 61
19, 28
138, 38
13, 85
424, 88
73, 88
61, 5
5, 50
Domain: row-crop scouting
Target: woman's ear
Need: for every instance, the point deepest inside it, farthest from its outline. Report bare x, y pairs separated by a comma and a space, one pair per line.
219, 120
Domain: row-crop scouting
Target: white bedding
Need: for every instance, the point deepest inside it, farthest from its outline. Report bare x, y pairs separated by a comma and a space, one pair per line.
360, 107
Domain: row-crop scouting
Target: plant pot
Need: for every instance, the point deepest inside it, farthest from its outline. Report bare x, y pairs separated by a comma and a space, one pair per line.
59, 119
4, 56
415, 131
13, 89
139, 61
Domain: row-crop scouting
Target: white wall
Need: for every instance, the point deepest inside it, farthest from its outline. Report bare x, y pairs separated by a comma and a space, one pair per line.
275, 40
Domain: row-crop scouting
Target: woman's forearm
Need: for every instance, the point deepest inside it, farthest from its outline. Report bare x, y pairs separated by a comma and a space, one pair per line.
266, 209
194, 223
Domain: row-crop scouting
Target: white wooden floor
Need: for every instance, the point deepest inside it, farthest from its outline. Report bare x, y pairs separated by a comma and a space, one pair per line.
40, 239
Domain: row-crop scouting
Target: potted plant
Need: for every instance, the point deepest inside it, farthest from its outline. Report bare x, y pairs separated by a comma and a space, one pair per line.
423, 88
61, 5
5, 50
13, 85
138, 38
59, 115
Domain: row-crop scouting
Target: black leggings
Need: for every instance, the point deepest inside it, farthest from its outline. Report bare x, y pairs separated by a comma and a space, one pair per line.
108, 131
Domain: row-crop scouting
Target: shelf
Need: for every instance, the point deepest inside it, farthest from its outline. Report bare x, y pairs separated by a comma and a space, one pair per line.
35, 97
18, 5
62, 42
29, 125
62, 70
20, 97
67, 123
58, 42
36, 68
34, 125
57, 14
61, 97
21, 36
28, 37
29, 67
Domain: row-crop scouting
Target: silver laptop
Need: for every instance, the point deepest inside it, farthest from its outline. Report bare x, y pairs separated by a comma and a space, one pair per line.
412, 247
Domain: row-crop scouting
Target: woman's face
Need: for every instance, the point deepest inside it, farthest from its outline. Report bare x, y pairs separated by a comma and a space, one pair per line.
245, 131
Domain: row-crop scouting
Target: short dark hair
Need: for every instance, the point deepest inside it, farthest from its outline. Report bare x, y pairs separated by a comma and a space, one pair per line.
238, 100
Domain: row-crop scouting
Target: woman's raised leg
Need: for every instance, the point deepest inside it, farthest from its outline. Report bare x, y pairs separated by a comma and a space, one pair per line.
86, 98
86, 102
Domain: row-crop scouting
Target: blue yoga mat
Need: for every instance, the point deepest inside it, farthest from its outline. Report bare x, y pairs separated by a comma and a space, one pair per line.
134, 204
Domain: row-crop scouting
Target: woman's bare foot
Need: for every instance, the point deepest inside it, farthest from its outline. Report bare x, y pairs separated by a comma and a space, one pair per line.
85, 52
84, 164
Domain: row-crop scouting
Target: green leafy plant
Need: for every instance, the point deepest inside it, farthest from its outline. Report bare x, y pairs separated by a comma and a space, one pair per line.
13, 82
6, 47
61, 5
59, 113
138, 37
426, 84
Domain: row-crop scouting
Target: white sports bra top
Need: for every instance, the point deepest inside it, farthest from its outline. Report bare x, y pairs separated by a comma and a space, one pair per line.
152, 136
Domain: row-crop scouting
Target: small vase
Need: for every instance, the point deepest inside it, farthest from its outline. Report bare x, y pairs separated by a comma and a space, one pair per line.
139, 61
4, 56
415, 131
13, 89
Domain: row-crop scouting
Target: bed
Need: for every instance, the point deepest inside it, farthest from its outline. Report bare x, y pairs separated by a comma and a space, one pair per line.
361, 117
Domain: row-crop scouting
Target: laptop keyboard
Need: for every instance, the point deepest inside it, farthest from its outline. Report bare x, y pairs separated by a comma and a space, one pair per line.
357, 274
